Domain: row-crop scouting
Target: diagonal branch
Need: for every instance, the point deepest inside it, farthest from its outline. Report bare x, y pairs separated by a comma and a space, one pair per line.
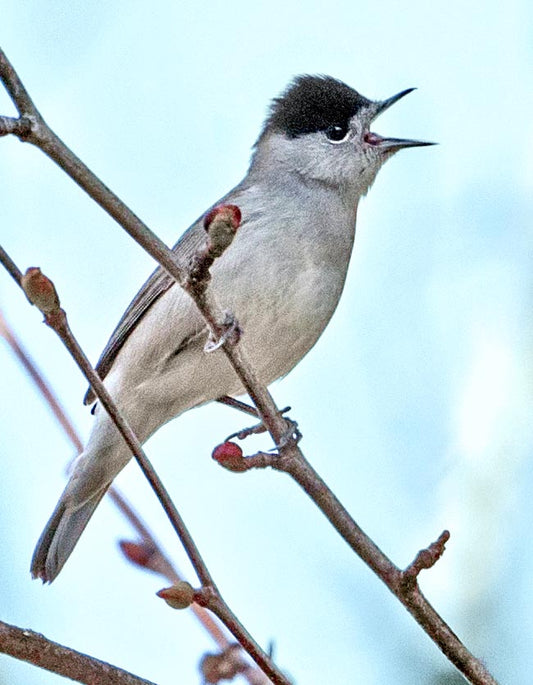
47, 141
158, 561
42, 293
38, 650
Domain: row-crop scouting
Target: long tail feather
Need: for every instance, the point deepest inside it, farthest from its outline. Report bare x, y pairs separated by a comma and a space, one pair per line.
60, 536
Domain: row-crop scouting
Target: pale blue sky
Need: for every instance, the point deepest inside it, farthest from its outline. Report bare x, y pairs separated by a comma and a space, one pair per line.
415, 403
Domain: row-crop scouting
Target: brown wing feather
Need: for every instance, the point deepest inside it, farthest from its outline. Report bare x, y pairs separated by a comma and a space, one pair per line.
155, 286
158, 283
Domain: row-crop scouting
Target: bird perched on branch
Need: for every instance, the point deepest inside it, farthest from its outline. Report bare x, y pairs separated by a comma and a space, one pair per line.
282, 278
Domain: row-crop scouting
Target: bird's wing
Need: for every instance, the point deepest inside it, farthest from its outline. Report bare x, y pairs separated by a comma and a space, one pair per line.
158, 283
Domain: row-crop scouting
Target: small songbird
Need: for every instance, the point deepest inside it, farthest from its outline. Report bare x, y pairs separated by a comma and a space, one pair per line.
282, 278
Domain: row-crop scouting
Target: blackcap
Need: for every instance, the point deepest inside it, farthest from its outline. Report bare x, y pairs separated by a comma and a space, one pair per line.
282, 278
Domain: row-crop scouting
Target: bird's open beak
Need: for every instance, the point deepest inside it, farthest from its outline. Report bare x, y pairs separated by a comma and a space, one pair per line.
385, 104
391, 144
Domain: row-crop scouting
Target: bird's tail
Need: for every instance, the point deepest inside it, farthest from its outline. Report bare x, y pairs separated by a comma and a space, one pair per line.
60, 536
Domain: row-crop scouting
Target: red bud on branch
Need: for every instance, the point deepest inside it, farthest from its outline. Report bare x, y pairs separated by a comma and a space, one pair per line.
138, 553
229, 455
221, 224
40, 291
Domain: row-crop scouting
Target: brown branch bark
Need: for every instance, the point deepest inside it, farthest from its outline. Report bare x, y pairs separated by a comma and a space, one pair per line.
51, 656
291, 458
42, 293
402, 584
159, 562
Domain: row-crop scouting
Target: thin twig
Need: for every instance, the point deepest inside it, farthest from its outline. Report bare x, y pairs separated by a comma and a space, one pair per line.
10, 266
51, 656
411, 597
15, 88
42, 293
218, 606
425, 559
44, 388
159, 561
44, 138
164, 565
407, 591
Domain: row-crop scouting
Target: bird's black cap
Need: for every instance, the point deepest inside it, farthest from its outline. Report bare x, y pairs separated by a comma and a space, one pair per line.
313, 103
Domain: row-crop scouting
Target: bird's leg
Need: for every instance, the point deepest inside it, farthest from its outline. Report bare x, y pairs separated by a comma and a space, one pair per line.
237, 404
292, 428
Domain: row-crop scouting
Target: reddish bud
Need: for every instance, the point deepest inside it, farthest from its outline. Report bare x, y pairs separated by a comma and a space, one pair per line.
225, 665
139, 553
229, 455
178, 596
40, 290
221, 223
229, 214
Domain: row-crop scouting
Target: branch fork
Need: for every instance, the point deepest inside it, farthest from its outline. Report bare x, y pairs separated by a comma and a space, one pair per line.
20, 127
425, 559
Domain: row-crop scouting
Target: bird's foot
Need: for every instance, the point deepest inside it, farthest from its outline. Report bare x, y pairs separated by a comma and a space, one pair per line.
292, 433
230, 333
292, 436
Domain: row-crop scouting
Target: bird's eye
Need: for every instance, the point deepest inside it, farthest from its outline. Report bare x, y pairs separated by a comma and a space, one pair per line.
337, 133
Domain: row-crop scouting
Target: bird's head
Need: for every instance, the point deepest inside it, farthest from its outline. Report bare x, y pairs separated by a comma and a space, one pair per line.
319, 130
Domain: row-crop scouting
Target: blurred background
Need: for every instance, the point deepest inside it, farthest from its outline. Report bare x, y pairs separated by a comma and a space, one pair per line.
414, 405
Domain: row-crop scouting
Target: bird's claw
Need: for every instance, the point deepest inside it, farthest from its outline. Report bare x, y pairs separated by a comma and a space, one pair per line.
292, 434
231, 334
246, 432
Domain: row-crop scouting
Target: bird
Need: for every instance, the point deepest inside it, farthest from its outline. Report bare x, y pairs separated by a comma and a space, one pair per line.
282, 277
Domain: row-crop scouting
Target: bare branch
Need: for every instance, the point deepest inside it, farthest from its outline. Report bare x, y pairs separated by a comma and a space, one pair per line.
10, 266
154, 557
40, 290
44, 138
15, 88
292, 462
426, 558
40, 382
38, 650
212, 601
